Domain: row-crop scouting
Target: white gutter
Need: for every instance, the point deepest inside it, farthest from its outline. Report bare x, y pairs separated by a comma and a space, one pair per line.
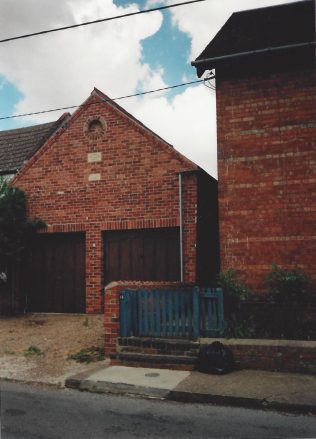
251, 52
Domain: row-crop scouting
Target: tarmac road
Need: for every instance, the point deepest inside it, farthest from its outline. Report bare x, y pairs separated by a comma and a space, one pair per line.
33, 411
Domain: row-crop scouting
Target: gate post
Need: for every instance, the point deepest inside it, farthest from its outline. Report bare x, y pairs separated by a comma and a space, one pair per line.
125, 314
220, 307
111, 319
196, 312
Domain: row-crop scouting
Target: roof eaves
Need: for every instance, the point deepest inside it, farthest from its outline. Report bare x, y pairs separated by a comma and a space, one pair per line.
213, 61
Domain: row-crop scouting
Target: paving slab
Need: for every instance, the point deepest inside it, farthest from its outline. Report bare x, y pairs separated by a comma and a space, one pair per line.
288, 391
130, 380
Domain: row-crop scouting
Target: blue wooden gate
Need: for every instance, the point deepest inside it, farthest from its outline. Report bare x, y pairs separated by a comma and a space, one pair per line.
171, 313
211, 310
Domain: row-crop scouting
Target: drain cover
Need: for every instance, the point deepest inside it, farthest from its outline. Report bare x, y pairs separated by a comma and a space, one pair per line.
152, 374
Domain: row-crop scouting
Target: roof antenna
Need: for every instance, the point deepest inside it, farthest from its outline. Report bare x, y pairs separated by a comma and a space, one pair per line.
207, 80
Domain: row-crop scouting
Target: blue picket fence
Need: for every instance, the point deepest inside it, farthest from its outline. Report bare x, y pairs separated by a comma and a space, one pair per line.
172, 313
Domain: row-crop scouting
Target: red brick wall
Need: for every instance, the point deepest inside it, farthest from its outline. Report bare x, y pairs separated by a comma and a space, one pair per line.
138, 187
266, 158
207, 248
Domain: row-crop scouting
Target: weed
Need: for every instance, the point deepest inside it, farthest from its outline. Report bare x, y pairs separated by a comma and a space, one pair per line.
86, 322
36, 322
88, 355
33, 350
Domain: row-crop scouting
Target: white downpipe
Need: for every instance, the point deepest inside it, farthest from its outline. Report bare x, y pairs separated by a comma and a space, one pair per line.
181, 227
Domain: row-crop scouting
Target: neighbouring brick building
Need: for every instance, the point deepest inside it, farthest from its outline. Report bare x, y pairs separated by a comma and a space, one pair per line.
114, 196
264, 61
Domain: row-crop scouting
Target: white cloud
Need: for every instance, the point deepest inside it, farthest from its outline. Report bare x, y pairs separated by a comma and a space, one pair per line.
203, 20
61, 68
186, 122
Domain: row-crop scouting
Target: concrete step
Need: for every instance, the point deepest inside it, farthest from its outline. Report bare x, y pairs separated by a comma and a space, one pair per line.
159, 346
179, 362
140, 350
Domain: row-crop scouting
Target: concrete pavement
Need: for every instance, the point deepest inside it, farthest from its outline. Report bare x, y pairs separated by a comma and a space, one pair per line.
246, 388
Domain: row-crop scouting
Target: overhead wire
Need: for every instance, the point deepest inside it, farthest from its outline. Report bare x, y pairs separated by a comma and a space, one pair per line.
170, 87
101, 20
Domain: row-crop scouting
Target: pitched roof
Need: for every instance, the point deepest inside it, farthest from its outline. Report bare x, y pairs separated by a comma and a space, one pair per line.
260, 30
18, 145
116, 106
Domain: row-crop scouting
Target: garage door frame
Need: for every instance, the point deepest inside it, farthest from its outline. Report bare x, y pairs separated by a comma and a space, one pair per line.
55, 273
142, 254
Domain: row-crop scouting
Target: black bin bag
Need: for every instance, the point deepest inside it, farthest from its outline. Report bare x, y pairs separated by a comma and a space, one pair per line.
215, 358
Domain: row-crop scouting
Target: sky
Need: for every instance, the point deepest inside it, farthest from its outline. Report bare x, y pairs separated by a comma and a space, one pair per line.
119, 57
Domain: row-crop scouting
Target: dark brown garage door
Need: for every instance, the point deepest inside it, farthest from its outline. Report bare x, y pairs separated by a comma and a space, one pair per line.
147, 254
56, 274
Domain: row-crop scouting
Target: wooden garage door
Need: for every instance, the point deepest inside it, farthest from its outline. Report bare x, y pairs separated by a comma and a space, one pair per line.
146, 254
56, 274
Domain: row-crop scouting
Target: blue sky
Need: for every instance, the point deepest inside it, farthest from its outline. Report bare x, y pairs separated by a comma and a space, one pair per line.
167, 47
119, 57
9, 97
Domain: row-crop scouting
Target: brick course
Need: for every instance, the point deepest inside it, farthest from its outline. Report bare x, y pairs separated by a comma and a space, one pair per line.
275, 355
266, 168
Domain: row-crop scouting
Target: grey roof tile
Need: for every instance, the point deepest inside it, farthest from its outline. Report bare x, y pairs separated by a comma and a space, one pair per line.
18, 145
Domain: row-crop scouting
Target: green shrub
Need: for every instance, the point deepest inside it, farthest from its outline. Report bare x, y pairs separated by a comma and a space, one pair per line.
16, 230
234, 292
232, 285
288, 286
284, 312
290, 290
16, 235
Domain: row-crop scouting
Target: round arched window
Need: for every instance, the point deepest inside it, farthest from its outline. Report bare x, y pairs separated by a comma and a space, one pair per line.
95, 128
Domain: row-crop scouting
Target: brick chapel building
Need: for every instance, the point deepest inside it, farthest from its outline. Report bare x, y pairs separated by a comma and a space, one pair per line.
119, 203
264, 61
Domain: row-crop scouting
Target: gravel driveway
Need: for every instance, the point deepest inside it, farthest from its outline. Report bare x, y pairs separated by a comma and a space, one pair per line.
36, 347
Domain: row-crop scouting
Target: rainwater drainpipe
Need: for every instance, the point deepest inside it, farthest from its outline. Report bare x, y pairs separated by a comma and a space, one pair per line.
181, 227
